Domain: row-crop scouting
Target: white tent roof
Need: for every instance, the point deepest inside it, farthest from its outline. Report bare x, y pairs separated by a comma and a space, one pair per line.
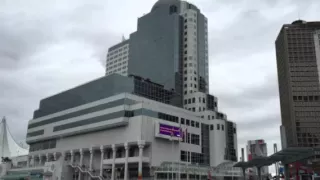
8, 146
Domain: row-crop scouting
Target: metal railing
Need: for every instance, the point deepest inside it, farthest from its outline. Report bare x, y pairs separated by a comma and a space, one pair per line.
86, 170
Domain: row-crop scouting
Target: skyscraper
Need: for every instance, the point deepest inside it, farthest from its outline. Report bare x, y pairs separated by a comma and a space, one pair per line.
297, 51
170, 47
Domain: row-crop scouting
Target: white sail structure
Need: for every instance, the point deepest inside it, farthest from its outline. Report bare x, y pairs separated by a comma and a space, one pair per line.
8, 146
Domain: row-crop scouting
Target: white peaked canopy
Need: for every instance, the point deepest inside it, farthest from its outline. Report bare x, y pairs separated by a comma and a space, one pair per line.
8, 146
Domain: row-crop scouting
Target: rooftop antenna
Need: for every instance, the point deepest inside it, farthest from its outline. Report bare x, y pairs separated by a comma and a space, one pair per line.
123, 38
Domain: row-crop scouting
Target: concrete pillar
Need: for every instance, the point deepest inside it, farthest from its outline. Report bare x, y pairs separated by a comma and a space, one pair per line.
47, 157
126, 147
102, 158
33, 161
259, 173
141, 146
54, 156
80, 163
28, 161
40, 160
244, 173
91, 159
113, 162
72, 157
286, 172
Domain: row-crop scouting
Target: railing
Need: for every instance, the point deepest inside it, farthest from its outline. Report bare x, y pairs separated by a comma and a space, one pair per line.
83, 170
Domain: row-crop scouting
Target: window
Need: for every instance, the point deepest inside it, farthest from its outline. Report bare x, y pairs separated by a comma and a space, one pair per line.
199, 109
212, 117
185, 101
195, 139
195, 79
185, 72
185, 33
208, 117
183, 156
197, 125
193, 100
185, 85
195, 86
192, 123
185, 92
188, 138
185, 45
211, 127
188, 122
182, 120
189, 101
186, 65
222, 127
185, 39
199, 99
194, 109
185, 52
218, 126
204, 100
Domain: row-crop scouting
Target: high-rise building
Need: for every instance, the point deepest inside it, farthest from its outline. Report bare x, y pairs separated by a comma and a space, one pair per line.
257, 148
297, 51
170, 47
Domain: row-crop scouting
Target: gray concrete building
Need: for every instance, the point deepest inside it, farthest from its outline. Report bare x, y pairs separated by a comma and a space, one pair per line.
297, 51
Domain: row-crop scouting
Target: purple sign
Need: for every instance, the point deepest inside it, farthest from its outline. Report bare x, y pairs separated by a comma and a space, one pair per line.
168, 130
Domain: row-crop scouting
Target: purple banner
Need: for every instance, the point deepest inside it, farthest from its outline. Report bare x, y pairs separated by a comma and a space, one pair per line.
169, 130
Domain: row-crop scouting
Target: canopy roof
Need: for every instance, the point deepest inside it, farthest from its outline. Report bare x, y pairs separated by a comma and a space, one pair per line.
286, 156
8, 146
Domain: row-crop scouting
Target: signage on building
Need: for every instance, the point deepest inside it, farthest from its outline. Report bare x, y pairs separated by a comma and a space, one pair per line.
168, 131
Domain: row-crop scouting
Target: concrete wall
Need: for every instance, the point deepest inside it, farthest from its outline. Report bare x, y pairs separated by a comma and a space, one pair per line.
217, 143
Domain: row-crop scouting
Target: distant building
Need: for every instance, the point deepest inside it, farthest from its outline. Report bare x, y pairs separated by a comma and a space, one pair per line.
257, 148
298, 57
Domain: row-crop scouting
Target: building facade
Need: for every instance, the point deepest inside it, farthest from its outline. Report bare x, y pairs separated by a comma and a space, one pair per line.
297, 51
255, 149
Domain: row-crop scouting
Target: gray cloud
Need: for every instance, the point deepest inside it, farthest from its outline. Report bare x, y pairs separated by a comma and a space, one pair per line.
47, 47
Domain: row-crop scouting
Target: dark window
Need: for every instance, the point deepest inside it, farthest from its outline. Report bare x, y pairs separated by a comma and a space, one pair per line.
185, 45
295, 98
218, 126
185, 26
208, 117
234, 130
182, 120
188, 138
131, 152
185, 92
194, 109
185, 33
222, 127
192, 123
188, 122
211, 127
185, 78
185, 72
183, 156
173, 9
193, 100
189, 101
185, 101
185, 52
204, 100
195, 139
197, 125
185, 39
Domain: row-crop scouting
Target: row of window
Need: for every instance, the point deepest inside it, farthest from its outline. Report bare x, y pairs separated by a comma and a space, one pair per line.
125, 53
124, 59
190, 123
192, 157
115, 66
193, 109
218, 127
193, 100
118, 50
191, 139
115, 71
306, 98
49, 144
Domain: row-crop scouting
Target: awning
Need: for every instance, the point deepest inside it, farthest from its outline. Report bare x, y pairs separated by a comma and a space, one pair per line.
286, 156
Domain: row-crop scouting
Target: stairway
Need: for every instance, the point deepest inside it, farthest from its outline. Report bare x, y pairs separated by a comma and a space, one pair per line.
86, 171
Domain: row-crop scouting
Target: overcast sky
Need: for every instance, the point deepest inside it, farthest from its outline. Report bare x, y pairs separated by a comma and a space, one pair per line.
50, 46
